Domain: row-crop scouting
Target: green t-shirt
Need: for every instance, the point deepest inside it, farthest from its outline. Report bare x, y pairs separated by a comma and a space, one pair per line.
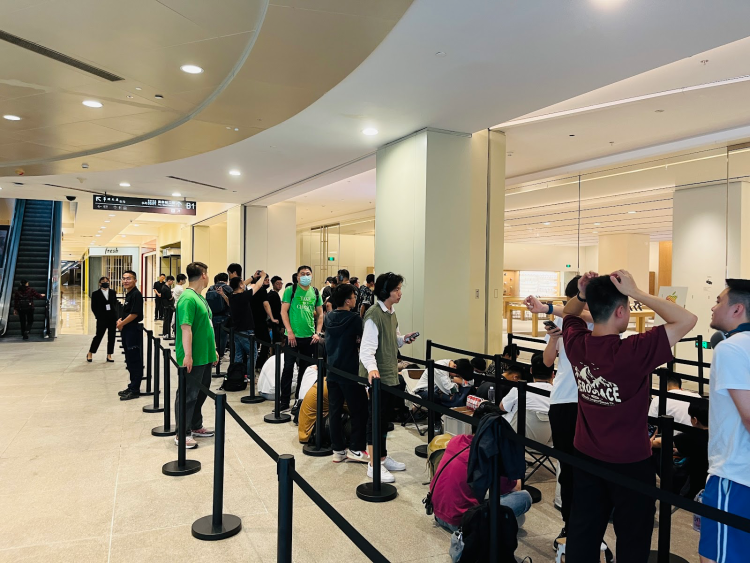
302, 311
193, 310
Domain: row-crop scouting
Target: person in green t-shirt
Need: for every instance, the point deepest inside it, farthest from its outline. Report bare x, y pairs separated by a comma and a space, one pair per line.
299, 307
196, 350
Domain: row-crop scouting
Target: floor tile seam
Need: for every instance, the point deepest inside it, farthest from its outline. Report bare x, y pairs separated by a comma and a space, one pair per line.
44, 544
249, 478
114, 506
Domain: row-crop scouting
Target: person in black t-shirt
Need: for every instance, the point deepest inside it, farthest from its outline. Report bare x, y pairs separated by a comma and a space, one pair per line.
272, 307
240, 301
167, 301
260, 318
158, 303
129, 326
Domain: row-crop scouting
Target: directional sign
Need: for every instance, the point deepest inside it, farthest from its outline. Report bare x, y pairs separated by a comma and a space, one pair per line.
144, 205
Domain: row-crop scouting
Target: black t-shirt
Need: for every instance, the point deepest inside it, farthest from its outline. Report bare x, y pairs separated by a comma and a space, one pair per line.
166, 296
133, 305
242, 316
158, 285
694, 446
274, 301
259, 312
327, 291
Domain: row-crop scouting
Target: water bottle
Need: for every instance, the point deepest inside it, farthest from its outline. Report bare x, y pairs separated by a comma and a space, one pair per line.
696, 517
491, 394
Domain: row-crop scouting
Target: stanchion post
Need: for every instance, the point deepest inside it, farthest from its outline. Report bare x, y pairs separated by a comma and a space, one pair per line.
536, 494
428, 349
182, 466
232, 344
662, 394
167, 429
421, 449
700, 365
251, 397
157, 372
318, 450
277, 417
149, 359
510, 345
218, 526
498, 361
285, 471
376, 491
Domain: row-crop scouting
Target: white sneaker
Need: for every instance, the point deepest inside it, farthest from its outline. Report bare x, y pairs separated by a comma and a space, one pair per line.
385, 475
392, 465
190, 443
358, 457
338, 457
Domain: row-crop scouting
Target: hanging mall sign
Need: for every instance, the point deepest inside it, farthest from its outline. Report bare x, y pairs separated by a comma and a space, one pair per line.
144, 205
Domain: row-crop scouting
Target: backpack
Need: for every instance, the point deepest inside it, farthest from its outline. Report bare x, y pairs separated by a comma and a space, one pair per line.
215, 301
427, 501
294, 290
234, 380
475, 529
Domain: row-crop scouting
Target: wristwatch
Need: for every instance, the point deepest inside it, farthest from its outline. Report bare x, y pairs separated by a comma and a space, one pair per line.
581, 299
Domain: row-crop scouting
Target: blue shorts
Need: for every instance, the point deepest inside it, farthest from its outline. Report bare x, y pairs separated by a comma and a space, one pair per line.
719, 542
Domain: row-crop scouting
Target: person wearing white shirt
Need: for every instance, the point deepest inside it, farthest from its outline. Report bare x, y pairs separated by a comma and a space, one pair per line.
378, 359
179, 287
535, 403
267, 378
675, 408
451, 389
728, 485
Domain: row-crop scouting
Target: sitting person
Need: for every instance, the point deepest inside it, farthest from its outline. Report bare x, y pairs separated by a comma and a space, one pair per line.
512, 374
267, 377
675, 408
451, 390
537, 426
309, 409
451, 494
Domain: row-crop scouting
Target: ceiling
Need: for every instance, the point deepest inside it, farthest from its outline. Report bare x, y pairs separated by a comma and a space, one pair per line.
341, 199
303, 50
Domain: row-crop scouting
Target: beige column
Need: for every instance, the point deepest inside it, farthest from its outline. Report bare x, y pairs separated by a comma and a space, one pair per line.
433, 190
235, 234
625, 252
270, 242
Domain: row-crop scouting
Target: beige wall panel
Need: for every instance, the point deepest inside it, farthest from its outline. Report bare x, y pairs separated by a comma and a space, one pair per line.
627, 252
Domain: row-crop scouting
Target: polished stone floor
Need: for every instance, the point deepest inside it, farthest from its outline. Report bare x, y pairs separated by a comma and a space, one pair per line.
81, 481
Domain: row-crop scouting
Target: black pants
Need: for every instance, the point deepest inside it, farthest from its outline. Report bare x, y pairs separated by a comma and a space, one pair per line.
306, 348
388, 403
562, 420
194, 397
262, 332
108, 325
167, 324
26, 317
158, 308
356, 399
593, 501
132, 341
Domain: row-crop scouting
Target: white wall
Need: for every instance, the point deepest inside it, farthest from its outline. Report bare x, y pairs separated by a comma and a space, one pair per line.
356, 254
550, 258
270, 242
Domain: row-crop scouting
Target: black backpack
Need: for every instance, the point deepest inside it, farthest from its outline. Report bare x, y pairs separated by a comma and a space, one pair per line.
216, 302
475, 527
234, 380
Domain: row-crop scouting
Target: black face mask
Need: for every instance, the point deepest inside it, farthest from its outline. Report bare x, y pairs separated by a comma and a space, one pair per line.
105, 285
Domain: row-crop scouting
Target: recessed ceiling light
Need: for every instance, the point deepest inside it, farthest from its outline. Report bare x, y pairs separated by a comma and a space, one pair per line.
138, 88
632, 212
97, 235
236, 128
158, 96
129, 97
123, 236
102, 227
124, 185
92, 104
547, 223
440, 54
111, 214
176, 194
369, 131
596, 232
191, 69
107, 221
136, 225
12, 117
235, 173
597, 224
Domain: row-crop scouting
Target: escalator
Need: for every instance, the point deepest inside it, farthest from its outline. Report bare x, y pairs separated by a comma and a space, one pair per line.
32, 254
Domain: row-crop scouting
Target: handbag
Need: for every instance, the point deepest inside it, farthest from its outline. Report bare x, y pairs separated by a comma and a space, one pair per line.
427, 501
457, 546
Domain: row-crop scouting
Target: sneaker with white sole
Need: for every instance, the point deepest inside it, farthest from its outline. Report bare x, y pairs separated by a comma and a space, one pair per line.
357, 457
385, 475
203, 432
392, 465
189, 442
338, 457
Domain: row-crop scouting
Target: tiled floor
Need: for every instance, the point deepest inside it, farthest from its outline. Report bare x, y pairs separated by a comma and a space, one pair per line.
81, 481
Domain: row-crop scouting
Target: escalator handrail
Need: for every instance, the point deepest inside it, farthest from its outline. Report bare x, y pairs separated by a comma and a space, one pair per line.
9, 264
54, 254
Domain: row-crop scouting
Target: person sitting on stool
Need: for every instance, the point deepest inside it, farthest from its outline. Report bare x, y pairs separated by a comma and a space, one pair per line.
104, 307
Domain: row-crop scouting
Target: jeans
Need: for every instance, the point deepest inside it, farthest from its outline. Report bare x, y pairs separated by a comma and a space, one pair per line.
356, 400
220, 336
306, 348
194, 396
242, 349
132, 341
518, 501
105, 325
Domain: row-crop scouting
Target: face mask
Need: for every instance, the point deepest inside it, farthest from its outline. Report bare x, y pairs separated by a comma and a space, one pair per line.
340, 278
305, 280
105, 285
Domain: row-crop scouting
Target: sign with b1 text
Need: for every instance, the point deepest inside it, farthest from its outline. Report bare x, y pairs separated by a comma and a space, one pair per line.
144, 205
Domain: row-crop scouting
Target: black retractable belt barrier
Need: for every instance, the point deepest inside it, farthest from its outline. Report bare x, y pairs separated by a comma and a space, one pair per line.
701, 382
421, 450
277, 417
149, 361
251, 397
182, 466
285, 471
167, 429
662, 554
157, 369
498, 361
318, 449
219, 355
218, 526
376, 491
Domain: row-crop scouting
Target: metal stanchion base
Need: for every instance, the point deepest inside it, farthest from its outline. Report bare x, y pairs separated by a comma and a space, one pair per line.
271, 418
387, 492
203, 528
147, 393
248, 400
421, 451
152, 409
536, 494
173, 469
311, 450
160, 431
654, 557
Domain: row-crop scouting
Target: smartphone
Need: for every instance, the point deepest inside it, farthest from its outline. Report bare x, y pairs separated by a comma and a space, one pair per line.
550, 325
413, 337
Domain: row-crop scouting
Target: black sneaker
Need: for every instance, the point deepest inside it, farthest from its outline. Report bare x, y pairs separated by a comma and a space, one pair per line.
130, 395
25, 335
563, 534
295, 409
123, 392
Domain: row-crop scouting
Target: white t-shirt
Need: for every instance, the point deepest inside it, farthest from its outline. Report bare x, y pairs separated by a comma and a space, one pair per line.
267, 377
177, 291
105, 292
534, 402
565, 389
442, 379
676, 409
728, 439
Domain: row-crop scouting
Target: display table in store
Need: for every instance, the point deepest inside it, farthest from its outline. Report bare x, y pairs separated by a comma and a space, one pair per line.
511, 307
640, 319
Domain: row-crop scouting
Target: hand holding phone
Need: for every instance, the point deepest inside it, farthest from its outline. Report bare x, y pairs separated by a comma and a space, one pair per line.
409, 338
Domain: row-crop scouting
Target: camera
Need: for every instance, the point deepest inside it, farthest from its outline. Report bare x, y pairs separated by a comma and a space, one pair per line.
70, 197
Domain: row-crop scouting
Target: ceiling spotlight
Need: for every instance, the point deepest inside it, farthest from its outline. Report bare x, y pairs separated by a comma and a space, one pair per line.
440, 54
138, 88
124, 185
632, 212
369, 131
123, 236
176, 194
92, 104
235, 173
102, 227
659, 111
107, 221
136, 225
12, 117
597, 224
129, 97
111, 214
236, 128
191, 69
547, 223
596, 232
97, 235
158, 96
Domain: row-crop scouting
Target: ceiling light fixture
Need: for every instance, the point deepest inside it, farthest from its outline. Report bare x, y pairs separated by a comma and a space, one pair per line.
111, 214
138, 88
136, 225
440, 54
369, 131
124, 185
91, 104
547, 223
191, 69
235, 173
123, 236
129, 97
97, 235
12, 117
107, 221
158, 96
176, 194
632, 212
596, 232
597, 224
